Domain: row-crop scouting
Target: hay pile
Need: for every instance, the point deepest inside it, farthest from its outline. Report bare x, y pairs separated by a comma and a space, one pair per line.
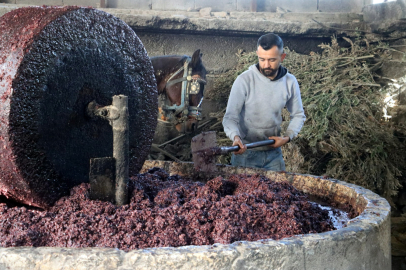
345, 135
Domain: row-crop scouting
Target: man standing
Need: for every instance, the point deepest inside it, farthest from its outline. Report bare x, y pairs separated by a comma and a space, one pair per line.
254, 109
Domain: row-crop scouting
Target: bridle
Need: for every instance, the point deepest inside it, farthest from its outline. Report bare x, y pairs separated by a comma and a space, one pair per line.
190, 86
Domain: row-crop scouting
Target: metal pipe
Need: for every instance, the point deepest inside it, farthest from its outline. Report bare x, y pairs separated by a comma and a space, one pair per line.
121, 148
228, 149
118, 117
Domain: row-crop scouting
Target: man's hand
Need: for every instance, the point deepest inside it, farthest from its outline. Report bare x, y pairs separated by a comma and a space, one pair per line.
279, 141
238, 141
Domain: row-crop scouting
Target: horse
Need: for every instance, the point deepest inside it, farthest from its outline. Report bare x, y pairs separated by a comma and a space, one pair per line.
180, 80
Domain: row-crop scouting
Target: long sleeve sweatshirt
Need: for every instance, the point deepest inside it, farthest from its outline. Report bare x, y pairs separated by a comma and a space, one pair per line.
254, 108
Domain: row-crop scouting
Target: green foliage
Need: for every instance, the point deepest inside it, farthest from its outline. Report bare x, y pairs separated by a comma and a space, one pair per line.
345, 135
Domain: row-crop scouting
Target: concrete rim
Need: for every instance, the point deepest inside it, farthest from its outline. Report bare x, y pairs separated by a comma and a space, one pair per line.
363, 244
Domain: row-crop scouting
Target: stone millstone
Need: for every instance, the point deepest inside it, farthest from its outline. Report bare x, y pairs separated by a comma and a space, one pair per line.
53, 62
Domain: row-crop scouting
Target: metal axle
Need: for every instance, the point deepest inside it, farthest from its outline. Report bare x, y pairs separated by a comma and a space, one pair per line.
117, 115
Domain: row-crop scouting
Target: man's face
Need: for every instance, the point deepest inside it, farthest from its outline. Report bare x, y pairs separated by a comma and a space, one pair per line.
269, 61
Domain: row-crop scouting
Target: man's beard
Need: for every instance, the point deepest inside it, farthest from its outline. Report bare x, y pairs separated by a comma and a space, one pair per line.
269, 72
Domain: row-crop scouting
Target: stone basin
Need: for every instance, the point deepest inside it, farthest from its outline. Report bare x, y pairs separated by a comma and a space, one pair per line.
363, 244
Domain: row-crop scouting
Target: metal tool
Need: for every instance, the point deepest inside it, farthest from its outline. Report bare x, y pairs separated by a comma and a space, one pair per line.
204, 149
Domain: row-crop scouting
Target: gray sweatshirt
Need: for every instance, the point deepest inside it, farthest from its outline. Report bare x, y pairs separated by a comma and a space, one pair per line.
254, 109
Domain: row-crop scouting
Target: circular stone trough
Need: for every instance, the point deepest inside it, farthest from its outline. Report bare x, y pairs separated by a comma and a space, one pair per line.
363, 244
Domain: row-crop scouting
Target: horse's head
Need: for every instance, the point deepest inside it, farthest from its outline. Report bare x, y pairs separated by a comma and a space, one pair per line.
183, 85
196, 92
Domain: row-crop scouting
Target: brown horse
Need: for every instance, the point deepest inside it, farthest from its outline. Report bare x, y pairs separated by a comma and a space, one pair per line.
180, 80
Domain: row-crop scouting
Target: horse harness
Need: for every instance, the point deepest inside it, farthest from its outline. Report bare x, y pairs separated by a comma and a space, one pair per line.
190, 86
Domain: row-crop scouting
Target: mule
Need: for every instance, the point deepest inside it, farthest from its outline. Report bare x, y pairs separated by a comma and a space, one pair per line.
180, 80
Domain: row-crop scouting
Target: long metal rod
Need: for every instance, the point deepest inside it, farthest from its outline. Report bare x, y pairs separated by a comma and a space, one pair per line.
183, 135
121, 148
227, 149
117, 115
156, 148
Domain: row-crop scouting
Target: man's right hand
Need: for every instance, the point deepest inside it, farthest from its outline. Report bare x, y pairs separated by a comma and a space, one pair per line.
238, 141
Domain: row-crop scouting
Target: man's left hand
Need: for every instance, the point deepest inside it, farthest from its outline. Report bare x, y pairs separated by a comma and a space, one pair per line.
279, 141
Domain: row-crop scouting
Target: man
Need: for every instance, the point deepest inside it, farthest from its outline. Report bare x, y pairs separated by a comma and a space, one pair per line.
254, 109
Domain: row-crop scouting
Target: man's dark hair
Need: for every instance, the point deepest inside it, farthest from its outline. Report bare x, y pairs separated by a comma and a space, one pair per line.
267, 41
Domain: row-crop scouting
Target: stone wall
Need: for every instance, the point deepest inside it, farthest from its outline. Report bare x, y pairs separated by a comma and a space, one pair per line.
354, 6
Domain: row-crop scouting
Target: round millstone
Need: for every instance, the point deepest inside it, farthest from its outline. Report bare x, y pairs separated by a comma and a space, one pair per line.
53, 62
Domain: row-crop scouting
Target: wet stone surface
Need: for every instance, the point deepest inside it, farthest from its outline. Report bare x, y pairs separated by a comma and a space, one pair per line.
54, 61
168, 211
